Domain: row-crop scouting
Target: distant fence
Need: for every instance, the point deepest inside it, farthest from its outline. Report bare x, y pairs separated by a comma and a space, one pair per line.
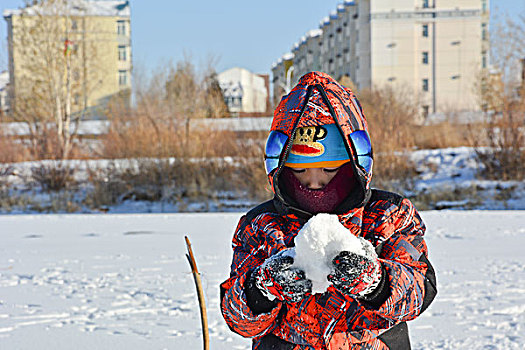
93, 128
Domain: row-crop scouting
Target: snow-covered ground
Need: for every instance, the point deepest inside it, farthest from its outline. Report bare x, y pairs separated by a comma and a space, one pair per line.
447, 178
123, 282
454, 171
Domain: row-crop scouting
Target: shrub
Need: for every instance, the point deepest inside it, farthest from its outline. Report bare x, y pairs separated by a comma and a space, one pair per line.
53, 176
391, 115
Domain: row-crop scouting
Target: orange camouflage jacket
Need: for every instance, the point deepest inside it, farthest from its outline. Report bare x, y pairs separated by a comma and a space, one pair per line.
333, 320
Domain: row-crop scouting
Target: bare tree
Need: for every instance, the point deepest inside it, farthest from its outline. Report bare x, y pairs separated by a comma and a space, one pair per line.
56, 56
191, 95
502, 97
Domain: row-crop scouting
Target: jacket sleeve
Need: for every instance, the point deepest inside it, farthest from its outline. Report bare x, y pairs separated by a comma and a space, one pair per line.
410, 279
250, 249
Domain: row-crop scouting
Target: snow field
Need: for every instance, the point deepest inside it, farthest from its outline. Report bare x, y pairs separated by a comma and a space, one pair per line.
123, 282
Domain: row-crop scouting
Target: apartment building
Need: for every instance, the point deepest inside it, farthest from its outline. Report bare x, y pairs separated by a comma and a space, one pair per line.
81, 49
434, 49
282, 74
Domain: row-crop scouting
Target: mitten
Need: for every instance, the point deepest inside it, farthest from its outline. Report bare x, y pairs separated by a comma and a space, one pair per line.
357, 275
276, 279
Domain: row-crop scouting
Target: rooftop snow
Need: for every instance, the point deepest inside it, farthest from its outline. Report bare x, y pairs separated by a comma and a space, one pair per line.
325, 21
79, 8
288, 56
314, 33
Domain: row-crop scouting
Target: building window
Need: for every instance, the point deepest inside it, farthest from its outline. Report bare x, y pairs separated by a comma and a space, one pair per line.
424, 31
425, 85
123, 77
425, 4
484, 6
121, 27
309, 58
425, 57
425, 111
484, 35
484, 59
122, 53
74, 25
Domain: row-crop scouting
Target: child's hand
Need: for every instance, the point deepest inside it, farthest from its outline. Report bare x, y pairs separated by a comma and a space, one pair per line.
354, 274
277, 280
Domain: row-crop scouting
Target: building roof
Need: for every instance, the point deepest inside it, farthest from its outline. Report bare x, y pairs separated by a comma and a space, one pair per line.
119, 8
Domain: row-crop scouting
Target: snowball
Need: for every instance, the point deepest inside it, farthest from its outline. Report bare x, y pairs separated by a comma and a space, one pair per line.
317, 243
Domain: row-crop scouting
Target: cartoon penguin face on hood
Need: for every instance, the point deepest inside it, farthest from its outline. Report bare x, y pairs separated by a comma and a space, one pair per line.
316, 101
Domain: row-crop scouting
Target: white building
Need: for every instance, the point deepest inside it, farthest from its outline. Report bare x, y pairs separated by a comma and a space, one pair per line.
435, 49
245, 93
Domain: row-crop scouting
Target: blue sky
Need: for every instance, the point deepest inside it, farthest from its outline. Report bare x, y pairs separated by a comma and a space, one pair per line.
250, 34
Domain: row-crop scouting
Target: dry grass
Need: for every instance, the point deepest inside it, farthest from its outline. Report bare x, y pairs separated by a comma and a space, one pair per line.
444, 135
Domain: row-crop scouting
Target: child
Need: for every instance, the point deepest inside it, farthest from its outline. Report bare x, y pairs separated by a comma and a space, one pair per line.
319, 159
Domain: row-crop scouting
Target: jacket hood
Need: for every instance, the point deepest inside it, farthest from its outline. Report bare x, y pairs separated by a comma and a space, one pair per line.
316, 100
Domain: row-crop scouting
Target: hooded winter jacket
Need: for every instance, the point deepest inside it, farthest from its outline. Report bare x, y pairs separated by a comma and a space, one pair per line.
331, 320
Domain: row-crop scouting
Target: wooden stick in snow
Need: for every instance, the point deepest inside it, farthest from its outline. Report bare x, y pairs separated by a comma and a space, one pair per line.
200, 294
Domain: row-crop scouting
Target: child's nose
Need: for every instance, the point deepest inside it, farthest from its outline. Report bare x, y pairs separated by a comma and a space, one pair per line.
316, 180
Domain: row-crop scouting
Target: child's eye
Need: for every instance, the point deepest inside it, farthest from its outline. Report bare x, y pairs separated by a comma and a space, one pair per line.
330, 170
297, 171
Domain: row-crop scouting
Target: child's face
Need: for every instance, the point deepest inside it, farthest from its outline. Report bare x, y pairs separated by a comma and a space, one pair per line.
315, 178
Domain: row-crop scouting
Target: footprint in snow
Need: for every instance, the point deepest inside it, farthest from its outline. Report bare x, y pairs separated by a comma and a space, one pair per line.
33, 236
136, 233
91, 235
